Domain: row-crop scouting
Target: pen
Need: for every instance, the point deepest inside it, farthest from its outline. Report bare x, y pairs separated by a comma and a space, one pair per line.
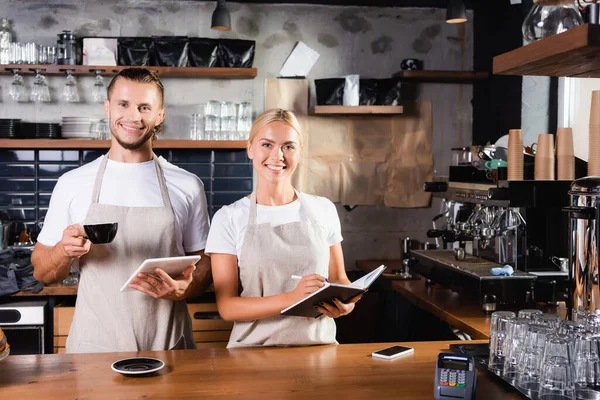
298, 277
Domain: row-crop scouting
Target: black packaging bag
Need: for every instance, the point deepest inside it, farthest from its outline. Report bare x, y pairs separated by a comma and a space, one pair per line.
390, 92
236, 53
134, 51
367, 92
330, 92
203, 52
170, 51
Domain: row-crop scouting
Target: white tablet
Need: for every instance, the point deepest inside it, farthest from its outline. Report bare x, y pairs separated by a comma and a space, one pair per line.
173, 266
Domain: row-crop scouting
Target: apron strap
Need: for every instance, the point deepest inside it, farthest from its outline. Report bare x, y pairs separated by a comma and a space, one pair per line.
253, 208
98, 181
162, 183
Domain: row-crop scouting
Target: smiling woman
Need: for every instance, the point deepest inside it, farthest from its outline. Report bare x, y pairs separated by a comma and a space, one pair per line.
277, 232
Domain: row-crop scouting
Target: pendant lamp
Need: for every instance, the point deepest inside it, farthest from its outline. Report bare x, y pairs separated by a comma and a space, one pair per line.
456, 12
221, 20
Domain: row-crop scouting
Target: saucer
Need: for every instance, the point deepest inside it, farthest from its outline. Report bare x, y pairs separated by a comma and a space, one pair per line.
137, 366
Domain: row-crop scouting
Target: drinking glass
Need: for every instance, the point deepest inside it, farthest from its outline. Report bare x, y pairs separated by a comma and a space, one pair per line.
498, 331
70, 91
73, 277
585, 361
17, 90
211, 127
244, 120
99, 90
529, 313
197, 127
213, 108
40, 93
515, 339
549, 320
556, 375
528, 377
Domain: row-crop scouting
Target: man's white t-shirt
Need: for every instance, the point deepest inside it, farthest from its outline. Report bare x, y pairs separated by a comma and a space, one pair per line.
130, 185
229, 224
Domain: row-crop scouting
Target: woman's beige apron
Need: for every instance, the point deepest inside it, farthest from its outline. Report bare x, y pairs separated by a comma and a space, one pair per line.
106, 319
270, 255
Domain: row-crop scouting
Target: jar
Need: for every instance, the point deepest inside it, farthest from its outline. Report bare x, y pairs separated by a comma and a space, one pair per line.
550, 17
6, 38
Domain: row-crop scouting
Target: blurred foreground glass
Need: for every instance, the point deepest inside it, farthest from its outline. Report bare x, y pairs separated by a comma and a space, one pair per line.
498, 344
528, 377
73, 277
543, 21
556, 374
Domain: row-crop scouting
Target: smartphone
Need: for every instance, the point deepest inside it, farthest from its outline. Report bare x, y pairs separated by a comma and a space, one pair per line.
393, 352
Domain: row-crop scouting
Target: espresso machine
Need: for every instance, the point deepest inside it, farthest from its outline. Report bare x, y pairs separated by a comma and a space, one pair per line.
486, 224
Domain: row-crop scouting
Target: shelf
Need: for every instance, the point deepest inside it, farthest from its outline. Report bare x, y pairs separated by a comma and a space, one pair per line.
105, 144
90, 70
574, 53
442, 76
332, 110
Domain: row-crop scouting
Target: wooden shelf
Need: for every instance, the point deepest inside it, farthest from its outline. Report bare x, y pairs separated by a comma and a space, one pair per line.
382, 110
574, 53
442, 76
90, 70
105, 144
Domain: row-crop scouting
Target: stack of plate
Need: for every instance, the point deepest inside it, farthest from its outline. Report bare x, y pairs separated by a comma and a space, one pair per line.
10, 128
40, 130
78, 127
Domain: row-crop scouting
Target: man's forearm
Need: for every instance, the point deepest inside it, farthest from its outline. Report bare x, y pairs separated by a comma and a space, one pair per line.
202, 277
50, 264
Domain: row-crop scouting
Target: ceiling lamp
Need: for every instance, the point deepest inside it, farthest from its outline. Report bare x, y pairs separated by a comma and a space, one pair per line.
221, 20
456, 12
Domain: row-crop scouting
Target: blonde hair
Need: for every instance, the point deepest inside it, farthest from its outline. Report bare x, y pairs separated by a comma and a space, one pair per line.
275, 115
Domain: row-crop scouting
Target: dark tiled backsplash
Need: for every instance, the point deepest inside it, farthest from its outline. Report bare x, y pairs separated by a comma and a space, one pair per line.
27, 177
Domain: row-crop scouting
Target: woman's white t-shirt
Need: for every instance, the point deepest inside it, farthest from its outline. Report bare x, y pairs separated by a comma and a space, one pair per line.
228, 226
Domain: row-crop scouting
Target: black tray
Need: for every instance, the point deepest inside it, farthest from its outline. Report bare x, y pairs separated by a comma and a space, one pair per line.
480, 354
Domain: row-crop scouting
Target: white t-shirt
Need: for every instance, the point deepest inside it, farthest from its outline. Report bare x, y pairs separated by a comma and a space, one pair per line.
130, 185
229, 224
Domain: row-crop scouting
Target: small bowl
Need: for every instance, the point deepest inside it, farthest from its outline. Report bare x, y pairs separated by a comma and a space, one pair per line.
101, 233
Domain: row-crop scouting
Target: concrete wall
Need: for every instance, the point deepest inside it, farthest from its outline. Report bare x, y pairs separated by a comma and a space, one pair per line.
366, 41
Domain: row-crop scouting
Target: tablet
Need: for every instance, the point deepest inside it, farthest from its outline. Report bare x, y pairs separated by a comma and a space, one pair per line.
173, 266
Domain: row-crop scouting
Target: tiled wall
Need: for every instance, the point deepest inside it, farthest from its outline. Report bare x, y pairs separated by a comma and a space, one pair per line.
27, 177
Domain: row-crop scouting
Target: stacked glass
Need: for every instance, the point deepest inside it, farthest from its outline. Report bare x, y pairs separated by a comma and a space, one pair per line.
221, 120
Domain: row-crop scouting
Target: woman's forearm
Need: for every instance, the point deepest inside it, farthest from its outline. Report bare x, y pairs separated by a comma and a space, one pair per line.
253, 308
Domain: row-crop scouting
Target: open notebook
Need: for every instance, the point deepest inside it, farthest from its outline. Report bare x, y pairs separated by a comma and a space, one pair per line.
306, 306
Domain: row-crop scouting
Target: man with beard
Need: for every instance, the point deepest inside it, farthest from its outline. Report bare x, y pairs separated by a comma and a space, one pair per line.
161, 212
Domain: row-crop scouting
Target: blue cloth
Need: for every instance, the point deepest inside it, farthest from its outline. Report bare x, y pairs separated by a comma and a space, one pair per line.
507, 270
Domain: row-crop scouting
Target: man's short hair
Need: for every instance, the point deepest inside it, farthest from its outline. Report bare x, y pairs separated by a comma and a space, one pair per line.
140, 75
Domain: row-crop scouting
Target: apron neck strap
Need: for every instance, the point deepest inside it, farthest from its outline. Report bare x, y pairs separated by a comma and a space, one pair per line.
162, 183
301, 199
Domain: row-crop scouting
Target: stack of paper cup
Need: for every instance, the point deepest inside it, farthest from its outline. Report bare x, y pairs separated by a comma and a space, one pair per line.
565, 156
515, 155
594, 140
544, 158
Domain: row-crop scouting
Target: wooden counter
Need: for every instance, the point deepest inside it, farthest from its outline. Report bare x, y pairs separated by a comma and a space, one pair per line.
334, 372
56, 289
463, 314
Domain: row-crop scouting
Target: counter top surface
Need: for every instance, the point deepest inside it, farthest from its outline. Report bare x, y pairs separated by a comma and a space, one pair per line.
462, 313
56, 289
339, 372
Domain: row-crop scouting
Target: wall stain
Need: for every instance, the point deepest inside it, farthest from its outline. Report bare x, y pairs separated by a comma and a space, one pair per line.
94, 28
328, 40
247, 26
351, 22
382, 45
431, 31
454, 39
422, 46
292, 30
118, 9
53, 7
47, 22
172, 7
274, 40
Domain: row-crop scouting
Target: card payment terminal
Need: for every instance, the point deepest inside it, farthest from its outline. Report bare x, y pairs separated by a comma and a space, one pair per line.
455, 377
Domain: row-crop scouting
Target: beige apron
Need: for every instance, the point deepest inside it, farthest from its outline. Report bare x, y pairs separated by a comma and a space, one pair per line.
106, 319
270, 255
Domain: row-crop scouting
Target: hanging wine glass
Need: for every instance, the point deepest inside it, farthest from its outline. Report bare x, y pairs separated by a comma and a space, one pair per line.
40, 93
70, 91
99, 91
17, 90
